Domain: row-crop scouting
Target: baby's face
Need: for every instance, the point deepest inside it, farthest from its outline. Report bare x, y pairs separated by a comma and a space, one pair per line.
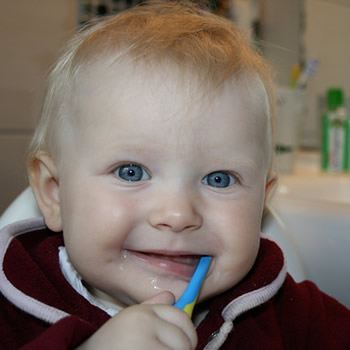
151, 183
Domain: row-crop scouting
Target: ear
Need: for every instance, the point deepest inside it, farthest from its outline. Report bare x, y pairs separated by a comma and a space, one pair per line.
271, 184
45, 184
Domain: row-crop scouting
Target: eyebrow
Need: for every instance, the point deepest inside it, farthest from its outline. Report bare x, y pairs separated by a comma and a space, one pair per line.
136, 149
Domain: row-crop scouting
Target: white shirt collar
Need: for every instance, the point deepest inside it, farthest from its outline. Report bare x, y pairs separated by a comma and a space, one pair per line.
75, 280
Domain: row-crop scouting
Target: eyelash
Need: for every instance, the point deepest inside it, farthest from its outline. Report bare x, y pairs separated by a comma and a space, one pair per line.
222, 178
135, 171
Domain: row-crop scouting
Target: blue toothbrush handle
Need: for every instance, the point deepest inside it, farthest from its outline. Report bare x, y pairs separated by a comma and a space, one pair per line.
189, 297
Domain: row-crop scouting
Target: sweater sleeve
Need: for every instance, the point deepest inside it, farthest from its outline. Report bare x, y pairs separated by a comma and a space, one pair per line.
68, 333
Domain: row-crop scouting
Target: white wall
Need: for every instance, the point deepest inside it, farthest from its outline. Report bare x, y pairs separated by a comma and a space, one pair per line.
31, 33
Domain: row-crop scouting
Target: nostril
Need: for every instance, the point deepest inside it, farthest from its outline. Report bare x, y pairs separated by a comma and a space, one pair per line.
175, 222
176, 211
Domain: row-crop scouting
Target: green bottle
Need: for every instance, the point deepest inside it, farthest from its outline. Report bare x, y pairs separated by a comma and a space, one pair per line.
335, 133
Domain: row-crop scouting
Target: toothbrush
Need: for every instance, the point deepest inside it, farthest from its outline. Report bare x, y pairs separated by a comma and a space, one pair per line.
309, 70
189, 297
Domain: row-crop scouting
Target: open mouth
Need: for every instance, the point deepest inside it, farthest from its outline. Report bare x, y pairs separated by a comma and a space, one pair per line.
183, 265
181, 259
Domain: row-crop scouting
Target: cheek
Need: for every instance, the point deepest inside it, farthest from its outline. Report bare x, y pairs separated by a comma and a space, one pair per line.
238, 232
233, 265
97, 224
96, 219
238, 222
240, 244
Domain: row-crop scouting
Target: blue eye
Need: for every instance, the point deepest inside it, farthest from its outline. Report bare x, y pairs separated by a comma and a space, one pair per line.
220, 179
132, 172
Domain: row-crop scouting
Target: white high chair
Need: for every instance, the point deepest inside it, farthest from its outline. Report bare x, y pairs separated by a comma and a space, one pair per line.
23, 207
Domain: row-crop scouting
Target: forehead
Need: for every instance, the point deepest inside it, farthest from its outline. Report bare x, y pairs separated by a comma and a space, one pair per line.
140, 98
130, 78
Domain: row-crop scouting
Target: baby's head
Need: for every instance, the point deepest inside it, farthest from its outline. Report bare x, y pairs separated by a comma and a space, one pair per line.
206, 50
154, 148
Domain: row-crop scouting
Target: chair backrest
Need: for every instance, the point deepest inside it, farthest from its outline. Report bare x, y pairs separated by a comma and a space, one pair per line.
23, 207
274, 228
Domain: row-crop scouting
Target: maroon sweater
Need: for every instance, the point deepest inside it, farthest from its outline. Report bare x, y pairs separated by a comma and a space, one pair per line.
266, 310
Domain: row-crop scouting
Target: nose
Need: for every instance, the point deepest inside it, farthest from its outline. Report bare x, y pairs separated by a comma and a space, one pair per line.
176, 212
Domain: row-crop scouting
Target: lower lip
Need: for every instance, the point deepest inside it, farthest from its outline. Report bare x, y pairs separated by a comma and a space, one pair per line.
176, 267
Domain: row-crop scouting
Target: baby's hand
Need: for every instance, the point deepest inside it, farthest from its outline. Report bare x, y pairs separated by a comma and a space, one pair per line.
155, 324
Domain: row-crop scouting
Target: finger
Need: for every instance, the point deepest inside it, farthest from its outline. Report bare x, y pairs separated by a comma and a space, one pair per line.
174, 337
164, 297
180, 319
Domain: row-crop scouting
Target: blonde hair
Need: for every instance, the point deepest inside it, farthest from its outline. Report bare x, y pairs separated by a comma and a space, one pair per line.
209, 46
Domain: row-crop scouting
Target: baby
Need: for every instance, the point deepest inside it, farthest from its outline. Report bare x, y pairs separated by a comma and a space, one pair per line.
154, 148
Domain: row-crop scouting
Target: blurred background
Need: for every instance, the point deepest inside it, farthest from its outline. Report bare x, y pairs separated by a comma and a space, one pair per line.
288, 33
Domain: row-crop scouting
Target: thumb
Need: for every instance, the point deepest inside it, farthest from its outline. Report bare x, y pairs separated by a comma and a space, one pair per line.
164, 297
